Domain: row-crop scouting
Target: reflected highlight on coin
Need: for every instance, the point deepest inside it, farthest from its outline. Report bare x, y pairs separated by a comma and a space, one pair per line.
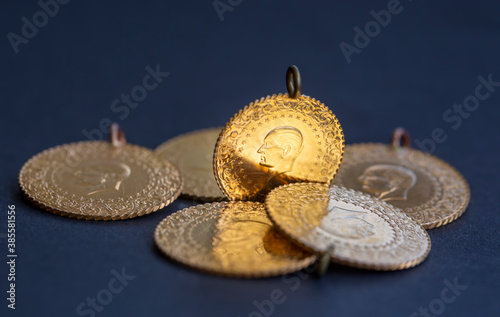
192, 154
234, 239
274, 141
354, 228
277, 140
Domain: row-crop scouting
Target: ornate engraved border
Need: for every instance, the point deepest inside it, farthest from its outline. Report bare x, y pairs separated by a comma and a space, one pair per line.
35, 180
194, 187
171, 232
323, 123
409, 247
452, 193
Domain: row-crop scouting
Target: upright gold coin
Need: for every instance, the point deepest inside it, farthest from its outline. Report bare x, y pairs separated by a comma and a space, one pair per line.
426, 188
192, 154
97, 180
354, 228
274, 141
233, 239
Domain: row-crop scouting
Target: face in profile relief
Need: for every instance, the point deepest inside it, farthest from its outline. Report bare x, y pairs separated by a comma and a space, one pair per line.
101, 176
240, 238
280, 148
388, 182
346, 223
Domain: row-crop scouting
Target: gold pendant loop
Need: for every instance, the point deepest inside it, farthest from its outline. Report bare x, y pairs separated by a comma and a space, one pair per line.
401, 137
116, 135
293, 82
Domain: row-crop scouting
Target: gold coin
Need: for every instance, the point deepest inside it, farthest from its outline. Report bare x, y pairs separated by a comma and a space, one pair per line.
192, 154
274, 141
426, 188
233, 239
97, 180
354, 228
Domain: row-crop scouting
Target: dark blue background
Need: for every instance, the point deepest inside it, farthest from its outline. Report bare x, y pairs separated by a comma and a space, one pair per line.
65, 78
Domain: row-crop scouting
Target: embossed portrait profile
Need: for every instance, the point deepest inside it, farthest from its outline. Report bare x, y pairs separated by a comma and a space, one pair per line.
101, 176
236, 237
388, 182
346, 223
280, 148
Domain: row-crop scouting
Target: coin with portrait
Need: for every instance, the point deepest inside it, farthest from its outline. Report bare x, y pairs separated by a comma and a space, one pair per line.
192, 154
99, 176
233, 239
354, 228
100, 181
277, 140
426, 188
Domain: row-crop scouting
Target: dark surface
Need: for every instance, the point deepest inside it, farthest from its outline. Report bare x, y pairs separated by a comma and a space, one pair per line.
65, 78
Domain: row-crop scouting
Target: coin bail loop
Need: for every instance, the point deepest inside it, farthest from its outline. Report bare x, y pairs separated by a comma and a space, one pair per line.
293, 82
116, 135
400, 137
323, 261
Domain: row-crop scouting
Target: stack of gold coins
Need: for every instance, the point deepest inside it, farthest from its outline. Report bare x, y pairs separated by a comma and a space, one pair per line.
279, 192
278, 162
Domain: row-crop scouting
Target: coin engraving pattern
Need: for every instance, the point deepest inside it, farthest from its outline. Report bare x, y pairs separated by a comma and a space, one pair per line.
99, 176
38, 180
450, 195
281, 140
192, 154
232, 239
274, 141
388, 182
299, 209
